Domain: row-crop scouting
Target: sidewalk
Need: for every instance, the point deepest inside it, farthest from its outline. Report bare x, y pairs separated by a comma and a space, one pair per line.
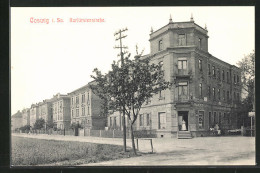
235, 150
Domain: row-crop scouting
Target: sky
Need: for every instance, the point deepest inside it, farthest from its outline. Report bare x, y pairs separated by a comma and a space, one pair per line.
59, 57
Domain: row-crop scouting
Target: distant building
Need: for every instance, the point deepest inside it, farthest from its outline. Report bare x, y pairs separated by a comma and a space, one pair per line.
85, 108
45, 110
206, 90
61, 111
26, 116
16, 120
34, 114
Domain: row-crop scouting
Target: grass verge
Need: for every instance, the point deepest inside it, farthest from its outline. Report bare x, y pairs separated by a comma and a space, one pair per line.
33, 152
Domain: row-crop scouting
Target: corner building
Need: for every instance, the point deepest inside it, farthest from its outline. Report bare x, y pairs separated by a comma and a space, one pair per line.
205, 90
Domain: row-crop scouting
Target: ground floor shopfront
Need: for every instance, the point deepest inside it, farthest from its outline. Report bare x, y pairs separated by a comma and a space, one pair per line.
166, 120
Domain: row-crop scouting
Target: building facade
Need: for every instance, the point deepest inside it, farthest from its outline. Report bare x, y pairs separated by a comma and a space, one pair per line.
61, 111
16, 121
45, 110
26, 116
34, 114
206, 90
85, 109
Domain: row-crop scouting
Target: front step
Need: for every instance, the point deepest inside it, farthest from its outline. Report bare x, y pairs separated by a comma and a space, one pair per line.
184, 135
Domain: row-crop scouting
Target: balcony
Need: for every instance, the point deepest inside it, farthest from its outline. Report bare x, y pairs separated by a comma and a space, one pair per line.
183, 99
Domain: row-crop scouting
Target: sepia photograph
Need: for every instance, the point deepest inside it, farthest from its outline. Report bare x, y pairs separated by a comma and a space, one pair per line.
132, 86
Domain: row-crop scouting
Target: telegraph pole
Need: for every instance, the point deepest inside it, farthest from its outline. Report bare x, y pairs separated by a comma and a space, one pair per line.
121, 47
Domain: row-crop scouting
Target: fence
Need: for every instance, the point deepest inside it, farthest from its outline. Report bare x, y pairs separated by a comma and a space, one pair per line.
95, 133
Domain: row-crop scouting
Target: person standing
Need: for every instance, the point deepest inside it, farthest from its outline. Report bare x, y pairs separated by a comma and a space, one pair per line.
183, 127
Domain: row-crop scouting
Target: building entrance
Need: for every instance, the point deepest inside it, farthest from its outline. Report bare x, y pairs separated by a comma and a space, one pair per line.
183, 120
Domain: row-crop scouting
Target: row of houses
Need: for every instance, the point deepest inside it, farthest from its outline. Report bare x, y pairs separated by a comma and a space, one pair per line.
206, 90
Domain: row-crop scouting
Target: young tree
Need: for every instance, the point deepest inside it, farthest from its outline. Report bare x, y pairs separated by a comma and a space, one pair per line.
127, 88
39, 124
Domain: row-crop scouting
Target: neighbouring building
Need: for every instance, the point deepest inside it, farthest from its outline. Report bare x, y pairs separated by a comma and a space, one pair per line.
26, 116
34, 114
86, 108
61, 111
206, 90
45, 110
16, 120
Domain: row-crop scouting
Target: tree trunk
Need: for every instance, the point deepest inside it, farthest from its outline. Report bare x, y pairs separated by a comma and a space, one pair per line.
133, 140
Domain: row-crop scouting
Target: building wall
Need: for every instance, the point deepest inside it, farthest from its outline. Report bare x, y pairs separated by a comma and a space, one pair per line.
26, 117
34, 114
202, 109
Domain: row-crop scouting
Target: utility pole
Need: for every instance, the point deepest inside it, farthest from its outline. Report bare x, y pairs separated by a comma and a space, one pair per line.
121, 47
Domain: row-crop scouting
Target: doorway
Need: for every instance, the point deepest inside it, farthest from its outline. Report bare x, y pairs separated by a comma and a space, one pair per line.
183, 120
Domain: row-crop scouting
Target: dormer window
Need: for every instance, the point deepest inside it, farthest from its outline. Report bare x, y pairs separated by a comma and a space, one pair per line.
182, 40
160, 45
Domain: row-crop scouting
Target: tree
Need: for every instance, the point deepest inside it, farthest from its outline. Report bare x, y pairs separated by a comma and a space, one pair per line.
26, 127
128, 87
49, 125
39, 124
247, 65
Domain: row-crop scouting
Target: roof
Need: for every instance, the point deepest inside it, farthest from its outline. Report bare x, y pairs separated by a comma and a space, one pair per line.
17, 115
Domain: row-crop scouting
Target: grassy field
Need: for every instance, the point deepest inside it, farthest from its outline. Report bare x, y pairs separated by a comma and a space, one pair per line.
27, 151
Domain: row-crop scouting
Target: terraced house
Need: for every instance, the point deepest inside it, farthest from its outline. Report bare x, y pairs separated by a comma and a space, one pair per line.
206, 90
85, 109
34, 114
45, 110
26, 116
61, 111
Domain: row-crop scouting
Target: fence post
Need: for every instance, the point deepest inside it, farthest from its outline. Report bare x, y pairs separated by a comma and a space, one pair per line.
137, 143
113, 133
151, 144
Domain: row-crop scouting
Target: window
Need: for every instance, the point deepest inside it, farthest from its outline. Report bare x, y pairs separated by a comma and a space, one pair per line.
83, 98
224, 95
237, 79
215, 118
209, 91
72, 113
111, 122
227, 95
201, 119
182, 64
209, 69
141, 120
77, 112
234, 96
200, 64
213, 93
162, 120
238, 98
199, 44
160, 94
182, 39
213, 71
219, 118
218, 94
72, 101
200, 90
83, 111
88, 96
148, 119
234, 79
223, 75
77, 100
160, 47
211, 124
183, 88
227, 77
88, 110
228, 118
115, 122
218, 72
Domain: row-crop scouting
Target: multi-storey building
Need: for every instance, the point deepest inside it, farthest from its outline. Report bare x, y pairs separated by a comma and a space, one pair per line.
26, 116
16, 121
45, 110
34, 114
85, 108
61, 111
205, 90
